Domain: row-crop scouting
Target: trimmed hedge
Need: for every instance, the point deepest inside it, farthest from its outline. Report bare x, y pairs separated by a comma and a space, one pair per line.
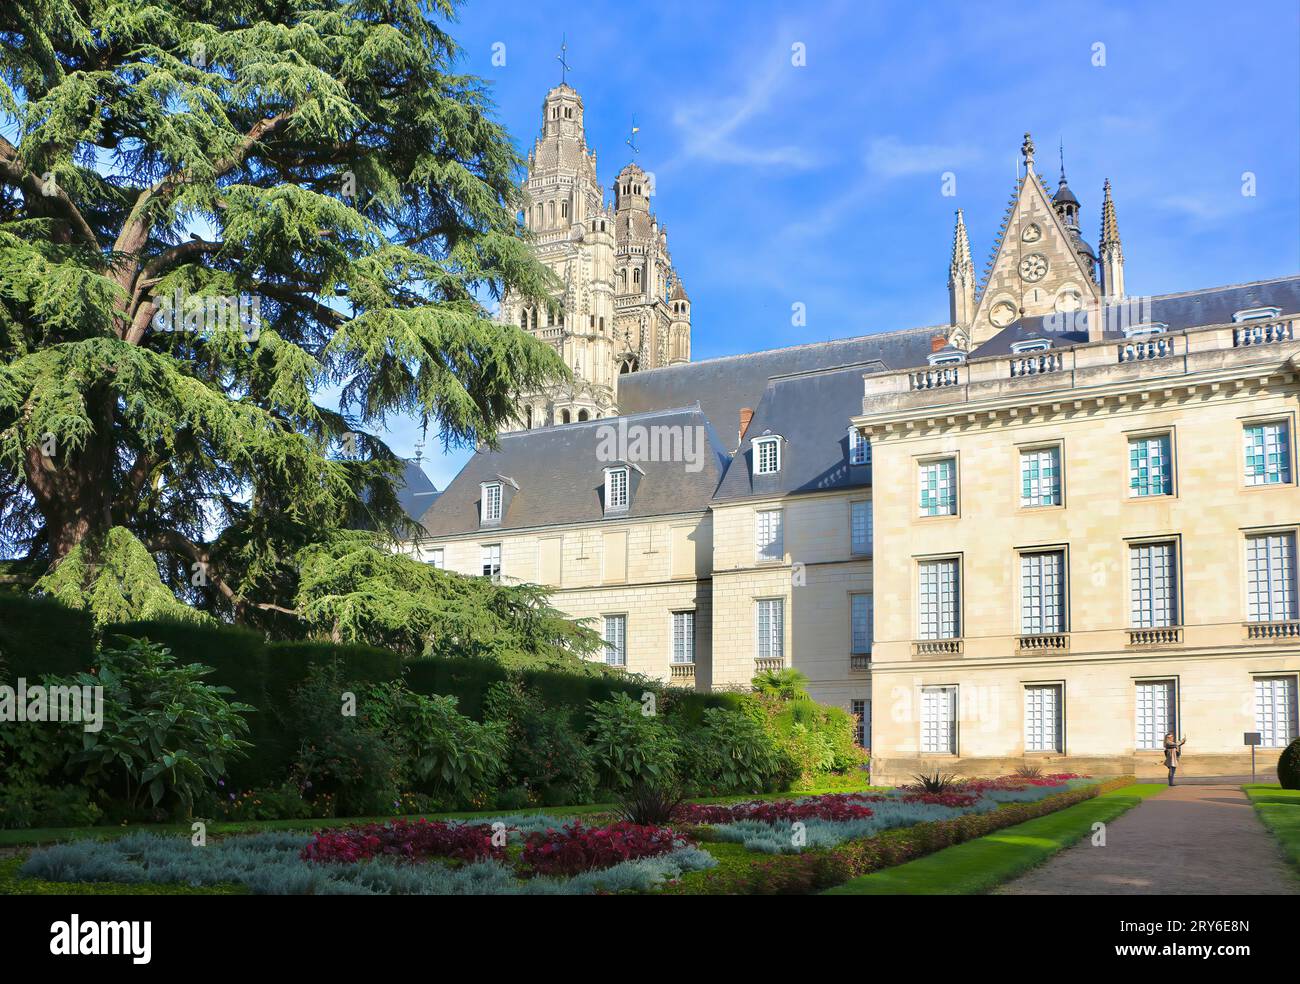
39, 636
813, 871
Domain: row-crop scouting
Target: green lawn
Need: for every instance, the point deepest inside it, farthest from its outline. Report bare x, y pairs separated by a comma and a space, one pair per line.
1279, 809
986, 862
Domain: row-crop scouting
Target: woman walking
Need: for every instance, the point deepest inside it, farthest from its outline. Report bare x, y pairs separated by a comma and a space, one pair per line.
1173, 752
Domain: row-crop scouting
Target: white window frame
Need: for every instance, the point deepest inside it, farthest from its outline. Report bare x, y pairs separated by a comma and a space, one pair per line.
683, 637
1271, 577
437, 558
934, 621
1045, 717
614, 501
1275, 435
945, 487
769, 536
1256, 314
861, 537
767, 455
1149, 585
939, 720
860, 623
859, 448
769, 642
1150, 731
615, 648
1039, 487
860, 711
492, 498
1042, 606
1166, 439
491, 558
1277, 717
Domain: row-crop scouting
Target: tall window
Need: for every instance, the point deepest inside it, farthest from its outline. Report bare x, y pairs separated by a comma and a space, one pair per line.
769, 616
939, 594
860, 605
1042, 592
492, 560
1040, 477
769, 537
615, 488
939, 487
1271, 577
1153, 584
615, 637
767, 453
492, 502
683, 637
860, 709
939, 720
1155, 713
859, 447
1268, 453
437, 559
1043, 718
1150, 466
860, 526
1275, 710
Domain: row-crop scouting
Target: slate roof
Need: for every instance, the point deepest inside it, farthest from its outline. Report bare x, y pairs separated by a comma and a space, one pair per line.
725, 385
1190, 309
561, 478
415, 492
811, 412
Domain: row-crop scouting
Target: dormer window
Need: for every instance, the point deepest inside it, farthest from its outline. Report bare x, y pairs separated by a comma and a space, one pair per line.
491, 502
1146, 328
1256, 314
1032, 345
949, 355
859, 447
616, 486
767, 455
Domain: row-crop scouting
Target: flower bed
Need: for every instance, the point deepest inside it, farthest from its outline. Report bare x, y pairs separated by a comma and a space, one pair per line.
574, 848
404, 840
819, 868
831, 806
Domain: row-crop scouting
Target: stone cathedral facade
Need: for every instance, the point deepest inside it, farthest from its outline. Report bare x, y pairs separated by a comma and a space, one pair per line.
623, 307
1048, 531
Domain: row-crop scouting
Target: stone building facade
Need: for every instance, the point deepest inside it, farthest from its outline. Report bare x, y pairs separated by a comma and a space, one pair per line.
1045, 539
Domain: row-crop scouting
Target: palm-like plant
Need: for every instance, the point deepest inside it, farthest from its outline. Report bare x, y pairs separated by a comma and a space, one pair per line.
784, 684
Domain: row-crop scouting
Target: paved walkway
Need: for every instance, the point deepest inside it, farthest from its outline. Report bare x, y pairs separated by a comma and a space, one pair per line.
1197, 839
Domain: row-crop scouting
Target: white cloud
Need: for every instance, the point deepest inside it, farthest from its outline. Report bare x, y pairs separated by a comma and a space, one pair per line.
890, 157
712, 126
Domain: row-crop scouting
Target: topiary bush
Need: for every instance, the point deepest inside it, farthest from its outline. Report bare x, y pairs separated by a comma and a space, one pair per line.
1288, 766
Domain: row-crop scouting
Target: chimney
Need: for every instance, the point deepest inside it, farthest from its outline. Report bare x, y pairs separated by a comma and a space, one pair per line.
746, 415
937, 342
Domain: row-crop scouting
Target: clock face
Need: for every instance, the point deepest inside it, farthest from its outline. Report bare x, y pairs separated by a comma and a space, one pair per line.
1032, 233
1033, 268
1002, 314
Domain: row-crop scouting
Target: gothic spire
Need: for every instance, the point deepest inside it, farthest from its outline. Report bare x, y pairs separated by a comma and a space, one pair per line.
961, 262
1112, 254
961, 278
1109, 224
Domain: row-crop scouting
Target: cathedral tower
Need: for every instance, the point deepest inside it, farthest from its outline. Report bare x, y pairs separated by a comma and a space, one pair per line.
614, 314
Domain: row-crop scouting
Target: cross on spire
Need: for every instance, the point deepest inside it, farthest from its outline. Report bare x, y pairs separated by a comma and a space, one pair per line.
562, 59
631, 136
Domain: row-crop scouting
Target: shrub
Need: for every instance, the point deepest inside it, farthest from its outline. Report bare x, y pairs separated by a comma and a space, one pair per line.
282, 802
575, 848
28, 803
545, 753
167, 736
438, 750
1028, 771
648, 804
784, 684
739, 753
629, 744
936, 782
1288, 766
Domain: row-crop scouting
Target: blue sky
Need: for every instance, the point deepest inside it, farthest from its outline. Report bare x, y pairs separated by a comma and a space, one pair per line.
821, 184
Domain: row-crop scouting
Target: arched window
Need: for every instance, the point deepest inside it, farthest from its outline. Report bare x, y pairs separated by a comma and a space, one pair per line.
528, 417
564, 210
564, 416
582, 415
636, 277
523, 318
